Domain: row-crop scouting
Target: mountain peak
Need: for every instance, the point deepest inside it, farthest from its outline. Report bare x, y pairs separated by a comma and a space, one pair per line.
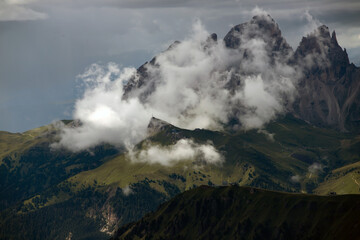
323, 31
321, 42
264, 19
156, 125
259, 27
173, 45
332, 79
333, 36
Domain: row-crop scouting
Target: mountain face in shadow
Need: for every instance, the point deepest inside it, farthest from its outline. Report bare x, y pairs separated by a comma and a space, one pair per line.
329, 92
247, 213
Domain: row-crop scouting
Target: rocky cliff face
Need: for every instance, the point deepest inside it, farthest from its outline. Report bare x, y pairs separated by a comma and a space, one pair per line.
260, 27
327, 85
141, 82
156, 125
329, 92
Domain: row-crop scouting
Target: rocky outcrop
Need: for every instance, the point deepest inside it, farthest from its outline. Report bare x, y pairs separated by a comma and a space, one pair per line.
329, 92
156, 125
146, 79
141, 83
260, 27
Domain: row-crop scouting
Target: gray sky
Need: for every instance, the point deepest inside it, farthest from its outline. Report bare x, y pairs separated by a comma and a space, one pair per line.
44, 45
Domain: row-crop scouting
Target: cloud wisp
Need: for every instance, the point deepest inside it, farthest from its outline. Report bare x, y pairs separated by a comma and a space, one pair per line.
315, 168
127, 190
182, 150
16, 10
196, 83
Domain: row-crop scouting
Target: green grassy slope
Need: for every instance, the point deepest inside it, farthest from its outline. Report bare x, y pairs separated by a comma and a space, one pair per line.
15, 142
344, 180
247, 213
29, 166
84, 216
252, 158
36, 181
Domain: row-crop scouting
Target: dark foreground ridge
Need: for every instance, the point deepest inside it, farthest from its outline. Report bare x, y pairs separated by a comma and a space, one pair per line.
247, 213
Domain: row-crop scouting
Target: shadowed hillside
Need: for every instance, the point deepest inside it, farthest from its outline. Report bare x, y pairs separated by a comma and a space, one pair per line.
246, 213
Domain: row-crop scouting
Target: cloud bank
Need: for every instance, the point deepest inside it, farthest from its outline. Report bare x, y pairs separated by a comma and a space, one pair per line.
71, 38
184, 149
196, 83
104, 116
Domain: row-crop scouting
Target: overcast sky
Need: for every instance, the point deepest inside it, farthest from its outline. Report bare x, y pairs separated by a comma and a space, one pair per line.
44, 45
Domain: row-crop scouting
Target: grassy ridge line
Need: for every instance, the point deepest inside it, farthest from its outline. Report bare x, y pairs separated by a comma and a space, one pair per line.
247, 213
29, 167
266, 158
252, 147
251, 159
17, 142
344, 180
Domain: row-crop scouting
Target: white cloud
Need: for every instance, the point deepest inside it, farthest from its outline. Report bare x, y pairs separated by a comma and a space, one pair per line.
315, 168
312, 23
104, 115
295, 178
73, 37
182, 150
195, 84
263, 104
127, 190
257, 11
16, 10
269, 136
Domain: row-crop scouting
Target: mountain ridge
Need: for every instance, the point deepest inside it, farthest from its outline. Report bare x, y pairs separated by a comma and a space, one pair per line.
119, 190
248, 213
328, 92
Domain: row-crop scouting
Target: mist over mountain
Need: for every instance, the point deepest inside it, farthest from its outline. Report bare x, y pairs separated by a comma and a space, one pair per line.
241, 82
245, 110
329, 92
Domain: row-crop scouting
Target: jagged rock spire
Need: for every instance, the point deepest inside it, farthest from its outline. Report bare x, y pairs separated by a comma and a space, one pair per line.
262, 27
